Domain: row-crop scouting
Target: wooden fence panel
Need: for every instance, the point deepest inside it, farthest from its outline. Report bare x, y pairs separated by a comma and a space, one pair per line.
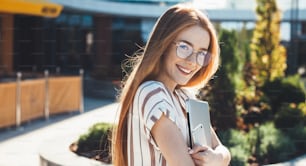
32, 99
64, 94
7, 104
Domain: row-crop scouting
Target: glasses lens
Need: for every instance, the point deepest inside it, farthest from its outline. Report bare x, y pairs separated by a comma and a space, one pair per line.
203, 58
183, 50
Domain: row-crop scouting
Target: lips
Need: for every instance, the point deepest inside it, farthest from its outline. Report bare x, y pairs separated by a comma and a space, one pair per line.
184, 70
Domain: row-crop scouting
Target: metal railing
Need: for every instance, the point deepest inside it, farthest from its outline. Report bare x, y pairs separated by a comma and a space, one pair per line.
24, 100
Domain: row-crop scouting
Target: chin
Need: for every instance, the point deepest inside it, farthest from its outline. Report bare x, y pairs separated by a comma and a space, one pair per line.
182, 82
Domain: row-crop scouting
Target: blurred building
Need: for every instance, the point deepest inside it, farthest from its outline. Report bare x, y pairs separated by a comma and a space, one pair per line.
97, 35
14, 21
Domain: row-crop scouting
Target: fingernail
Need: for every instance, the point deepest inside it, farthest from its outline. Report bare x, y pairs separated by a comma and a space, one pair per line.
190, 151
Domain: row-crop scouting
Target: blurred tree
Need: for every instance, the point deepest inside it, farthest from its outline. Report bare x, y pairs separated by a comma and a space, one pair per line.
221, 91
267, 62
268, 57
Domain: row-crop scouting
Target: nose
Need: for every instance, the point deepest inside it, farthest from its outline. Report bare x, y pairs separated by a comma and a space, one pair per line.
192, 58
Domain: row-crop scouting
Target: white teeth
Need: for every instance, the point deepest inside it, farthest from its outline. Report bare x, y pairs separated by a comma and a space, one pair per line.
184, 70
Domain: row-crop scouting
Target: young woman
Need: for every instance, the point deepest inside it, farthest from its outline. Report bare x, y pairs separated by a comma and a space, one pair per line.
182, 51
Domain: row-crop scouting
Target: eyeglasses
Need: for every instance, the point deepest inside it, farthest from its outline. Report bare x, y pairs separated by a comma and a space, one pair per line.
184, 50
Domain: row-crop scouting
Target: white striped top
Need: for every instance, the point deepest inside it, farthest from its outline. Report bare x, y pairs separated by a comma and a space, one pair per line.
151, 100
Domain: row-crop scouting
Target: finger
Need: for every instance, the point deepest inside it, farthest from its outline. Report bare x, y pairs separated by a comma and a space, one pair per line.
198, 162
198, 148
199, 156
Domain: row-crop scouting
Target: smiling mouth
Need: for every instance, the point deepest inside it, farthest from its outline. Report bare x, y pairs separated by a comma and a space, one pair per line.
184, 70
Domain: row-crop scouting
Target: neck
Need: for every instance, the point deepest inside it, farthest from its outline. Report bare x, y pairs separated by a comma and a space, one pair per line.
170, 85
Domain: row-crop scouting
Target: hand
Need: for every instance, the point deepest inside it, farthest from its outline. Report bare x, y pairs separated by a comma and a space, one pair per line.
205, 156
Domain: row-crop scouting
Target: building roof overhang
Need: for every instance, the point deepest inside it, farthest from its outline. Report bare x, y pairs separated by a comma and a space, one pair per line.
31, 7
149, 10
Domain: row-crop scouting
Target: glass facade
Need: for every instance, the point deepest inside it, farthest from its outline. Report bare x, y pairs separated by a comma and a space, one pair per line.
74, 48
70, 41
126, 37
60, 45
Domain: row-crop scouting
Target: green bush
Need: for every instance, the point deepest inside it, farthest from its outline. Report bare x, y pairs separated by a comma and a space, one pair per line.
96, 142
239, 157
302, 107
284, 90
288, 116
292, 120
237, 143
270, 145
298, 136
263, 144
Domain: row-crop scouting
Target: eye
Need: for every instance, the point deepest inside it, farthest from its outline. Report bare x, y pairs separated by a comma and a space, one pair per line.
203, 53
184, 46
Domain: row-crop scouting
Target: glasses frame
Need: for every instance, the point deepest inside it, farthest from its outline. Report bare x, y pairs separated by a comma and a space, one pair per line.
207, 56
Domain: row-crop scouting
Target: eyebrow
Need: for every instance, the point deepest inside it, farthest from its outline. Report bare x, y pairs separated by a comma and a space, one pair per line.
205, 49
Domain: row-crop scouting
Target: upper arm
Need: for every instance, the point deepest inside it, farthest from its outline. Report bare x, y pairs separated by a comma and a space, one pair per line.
215, 140
170, 141
217, 146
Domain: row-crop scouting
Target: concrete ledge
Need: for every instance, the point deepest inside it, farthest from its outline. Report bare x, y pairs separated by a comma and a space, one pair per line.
55, 151
299, 161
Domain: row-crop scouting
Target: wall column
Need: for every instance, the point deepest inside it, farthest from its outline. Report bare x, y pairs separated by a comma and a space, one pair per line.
6, 42
103, 46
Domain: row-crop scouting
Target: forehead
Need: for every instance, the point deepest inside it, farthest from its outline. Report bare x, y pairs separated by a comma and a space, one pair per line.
197, 36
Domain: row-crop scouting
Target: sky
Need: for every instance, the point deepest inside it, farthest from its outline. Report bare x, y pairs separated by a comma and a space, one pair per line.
210, 4
247, 4
250, 4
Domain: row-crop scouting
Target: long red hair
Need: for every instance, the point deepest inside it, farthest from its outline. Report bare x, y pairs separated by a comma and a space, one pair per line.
145, 65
